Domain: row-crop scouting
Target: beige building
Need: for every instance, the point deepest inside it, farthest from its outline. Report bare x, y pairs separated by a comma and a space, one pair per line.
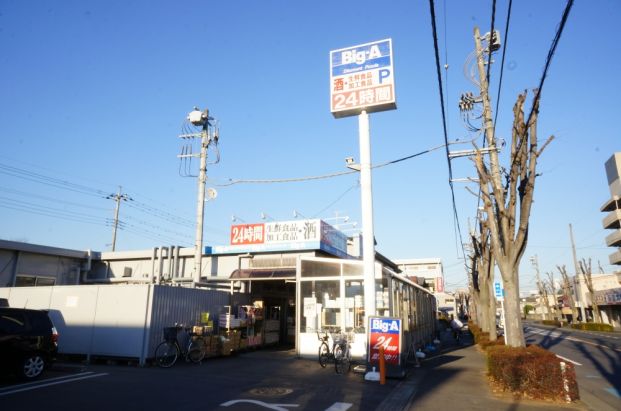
612, 207
427, 272
607, 296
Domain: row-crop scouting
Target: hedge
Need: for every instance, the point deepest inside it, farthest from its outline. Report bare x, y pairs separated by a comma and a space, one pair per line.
554, 323
531, 372
482, 338
593, 327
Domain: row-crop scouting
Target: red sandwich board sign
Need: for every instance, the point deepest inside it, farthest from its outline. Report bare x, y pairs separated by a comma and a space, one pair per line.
385, 332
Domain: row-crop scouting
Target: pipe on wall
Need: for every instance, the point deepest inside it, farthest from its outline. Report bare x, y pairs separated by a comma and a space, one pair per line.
153, 257
161, 265
171, 251
176, 262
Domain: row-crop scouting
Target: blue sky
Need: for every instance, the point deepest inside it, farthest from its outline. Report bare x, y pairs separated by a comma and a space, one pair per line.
94, 94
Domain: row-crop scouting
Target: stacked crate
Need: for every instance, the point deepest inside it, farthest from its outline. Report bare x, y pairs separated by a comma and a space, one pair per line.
211, 346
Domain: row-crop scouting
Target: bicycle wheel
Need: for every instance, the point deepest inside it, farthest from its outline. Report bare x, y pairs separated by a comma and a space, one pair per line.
196, 351
166, 354
324, 354
342, 362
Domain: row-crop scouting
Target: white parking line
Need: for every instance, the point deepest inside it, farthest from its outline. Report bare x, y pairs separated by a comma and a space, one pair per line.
275, 407
51, 381
46, 380
340, 406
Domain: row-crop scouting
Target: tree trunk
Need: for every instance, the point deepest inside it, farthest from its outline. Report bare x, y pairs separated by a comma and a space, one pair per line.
597, 317
514, 334
491, 312
485, 302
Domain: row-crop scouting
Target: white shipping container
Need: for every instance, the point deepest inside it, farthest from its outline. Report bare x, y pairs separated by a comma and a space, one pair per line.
124, 321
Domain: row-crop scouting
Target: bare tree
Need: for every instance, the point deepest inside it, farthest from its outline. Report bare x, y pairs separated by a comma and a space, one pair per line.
552, 287
543, 294
568, 292
462, 300
508, 208
585, 268
473, 285
485, 264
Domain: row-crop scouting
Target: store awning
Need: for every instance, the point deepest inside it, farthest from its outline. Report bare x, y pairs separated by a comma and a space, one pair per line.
263, 274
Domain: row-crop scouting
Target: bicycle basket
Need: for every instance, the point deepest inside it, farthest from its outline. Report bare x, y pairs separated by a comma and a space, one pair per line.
170, 333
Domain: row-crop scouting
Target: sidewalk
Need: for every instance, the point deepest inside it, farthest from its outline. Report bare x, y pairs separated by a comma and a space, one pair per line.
455, 379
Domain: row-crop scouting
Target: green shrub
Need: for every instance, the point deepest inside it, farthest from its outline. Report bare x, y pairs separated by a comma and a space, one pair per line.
531, 372
593, 327
554, 323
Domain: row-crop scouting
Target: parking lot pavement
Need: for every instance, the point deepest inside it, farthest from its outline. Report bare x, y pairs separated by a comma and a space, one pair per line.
263, 379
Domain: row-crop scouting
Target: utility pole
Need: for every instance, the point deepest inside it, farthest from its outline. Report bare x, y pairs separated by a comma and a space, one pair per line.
488, 123
577, 281
535, 261
200, 119
117, 198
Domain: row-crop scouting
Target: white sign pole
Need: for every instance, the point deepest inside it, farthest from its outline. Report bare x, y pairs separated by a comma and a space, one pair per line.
366, 200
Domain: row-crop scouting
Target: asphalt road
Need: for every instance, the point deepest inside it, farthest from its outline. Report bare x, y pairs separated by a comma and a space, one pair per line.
596, 357
258, 380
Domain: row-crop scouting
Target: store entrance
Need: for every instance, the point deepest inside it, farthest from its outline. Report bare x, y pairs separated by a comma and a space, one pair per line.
279, 311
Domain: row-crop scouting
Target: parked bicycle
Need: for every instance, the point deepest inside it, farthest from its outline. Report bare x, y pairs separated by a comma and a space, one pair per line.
168, 351
342, 353
325, 355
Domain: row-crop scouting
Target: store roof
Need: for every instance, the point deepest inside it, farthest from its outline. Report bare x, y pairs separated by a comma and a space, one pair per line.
263, 274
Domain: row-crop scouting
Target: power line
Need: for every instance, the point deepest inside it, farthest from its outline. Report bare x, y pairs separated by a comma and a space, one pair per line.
81, 189
51, 199
439, 75
338, 199
491, 39
50, 181
325, 176
502, 63
551, 52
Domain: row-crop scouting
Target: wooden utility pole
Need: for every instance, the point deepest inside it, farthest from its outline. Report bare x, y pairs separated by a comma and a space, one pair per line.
508, 202
488, 125
535, 262
117, 198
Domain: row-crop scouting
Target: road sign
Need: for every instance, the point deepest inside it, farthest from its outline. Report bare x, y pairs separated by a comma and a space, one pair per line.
362, 78
498, 291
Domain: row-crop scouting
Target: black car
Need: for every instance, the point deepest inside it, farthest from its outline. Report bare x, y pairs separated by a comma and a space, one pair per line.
28, 342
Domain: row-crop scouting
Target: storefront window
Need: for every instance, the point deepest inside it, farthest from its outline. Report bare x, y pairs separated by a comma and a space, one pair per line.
320, 269
354, 306
321, 305
382, 301
396, 299
350, 270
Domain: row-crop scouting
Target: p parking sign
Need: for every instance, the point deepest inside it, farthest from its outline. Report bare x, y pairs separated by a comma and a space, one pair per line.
362, 78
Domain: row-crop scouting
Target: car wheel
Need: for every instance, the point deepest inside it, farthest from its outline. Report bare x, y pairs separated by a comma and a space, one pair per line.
32, 366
